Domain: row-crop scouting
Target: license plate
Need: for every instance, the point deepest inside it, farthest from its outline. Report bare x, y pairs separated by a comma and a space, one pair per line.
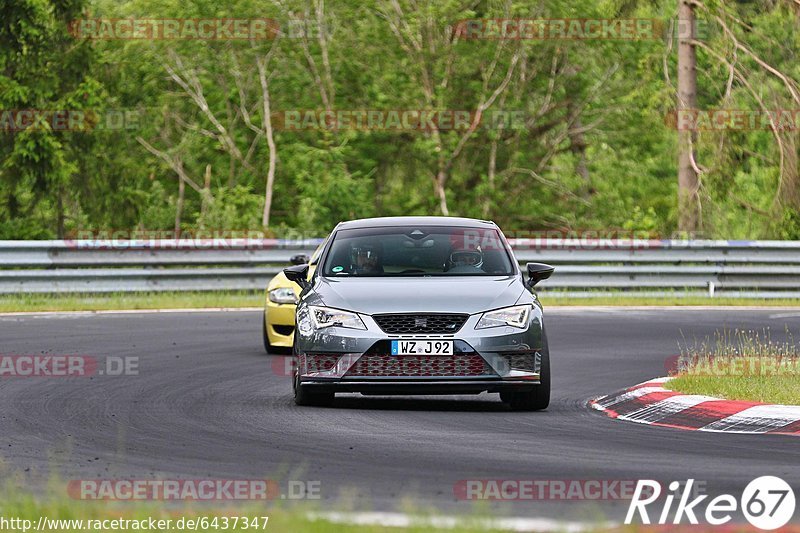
422, 347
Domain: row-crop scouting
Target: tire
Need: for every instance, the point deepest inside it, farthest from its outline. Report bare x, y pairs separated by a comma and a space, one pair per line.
303, 397
538, 398
301, 394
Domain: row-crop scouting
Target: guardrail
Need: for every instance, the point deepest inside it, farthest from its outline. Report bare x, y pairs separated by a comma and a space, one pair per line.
768, 269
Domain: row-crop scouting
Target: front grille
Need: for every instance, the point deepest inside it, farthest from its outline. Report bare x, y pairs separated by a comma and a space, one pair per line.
414, 323
420, 366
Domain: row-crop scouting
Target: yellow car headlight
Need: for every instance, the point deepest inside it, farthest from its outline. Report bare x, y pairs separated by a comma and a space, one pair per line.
283, 295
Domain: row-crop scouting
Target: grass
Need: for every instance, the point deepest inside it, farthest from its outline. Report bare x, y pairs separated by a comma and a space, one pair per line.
17, 507
14, 303
776, 389
278, 519
741, 365
116, 301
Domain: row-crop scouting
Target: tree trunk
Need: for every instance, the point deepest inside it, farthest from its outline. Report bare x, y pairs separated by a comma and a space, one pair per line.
577, 145
688, 183
179, 208
441, 193
206, 197
789, 187
489, 197
273, 155
60, 226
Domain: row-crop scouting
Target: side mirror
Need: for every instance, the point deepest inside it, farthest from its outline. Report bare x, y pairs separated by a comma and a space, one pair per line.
299, 259
537, 272
298, 274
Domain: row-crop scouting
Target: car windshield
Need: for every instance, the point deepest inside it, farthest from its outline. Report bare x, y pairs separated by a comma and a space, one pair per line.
418, 251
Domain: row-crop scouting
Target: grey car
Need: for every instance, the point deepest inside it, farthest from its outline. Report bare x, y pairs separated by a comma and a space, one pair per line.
420, 305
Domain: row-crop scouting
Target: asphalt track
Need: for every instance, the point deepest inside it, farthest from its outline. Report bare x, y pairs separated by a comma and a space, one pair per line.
208, 403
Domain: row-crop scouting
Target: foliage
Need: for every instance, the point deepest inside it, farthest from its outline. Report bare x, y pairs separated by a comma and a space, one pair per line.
595, 148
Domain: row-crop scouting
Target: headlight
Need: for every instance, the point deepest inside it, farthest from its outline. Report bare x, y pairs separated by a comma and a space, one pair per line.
325, 316
283, 295
516, 316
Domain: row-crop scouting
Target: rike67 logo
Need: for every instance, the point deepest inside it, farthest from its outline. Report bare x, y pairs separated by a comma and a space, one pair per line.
767, 502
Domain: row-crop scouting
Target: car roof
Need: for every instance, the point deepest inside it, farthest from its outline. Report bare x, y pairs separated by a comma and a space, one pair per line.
416, 221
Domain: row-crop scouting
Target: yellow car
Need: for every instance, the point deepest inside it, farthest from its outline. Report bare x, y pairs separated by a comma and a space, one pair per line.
281, 299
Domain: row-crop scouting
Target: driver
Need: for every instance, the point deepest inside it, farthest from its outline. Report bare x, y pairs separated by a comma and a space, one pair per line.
365, 259
466, 258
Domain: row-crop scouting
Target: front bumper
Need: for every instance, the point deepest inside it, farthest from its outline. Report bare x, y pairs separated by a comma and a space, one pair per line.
280, 323
410, 387
488, 360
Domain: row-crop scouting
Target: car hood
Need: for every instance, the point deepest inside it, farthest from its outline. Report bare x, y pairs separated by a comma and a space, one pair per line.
452, 294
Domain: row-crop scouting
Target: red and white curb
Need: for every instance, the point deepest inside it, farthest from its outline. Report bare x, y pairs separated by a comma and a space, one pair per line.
650, 403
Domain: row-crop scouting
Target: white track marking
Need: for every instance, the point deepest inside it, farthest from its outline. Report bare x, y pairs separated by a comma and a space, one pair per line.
662, 409
785, 315
450, 522
609, 401
757, 419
